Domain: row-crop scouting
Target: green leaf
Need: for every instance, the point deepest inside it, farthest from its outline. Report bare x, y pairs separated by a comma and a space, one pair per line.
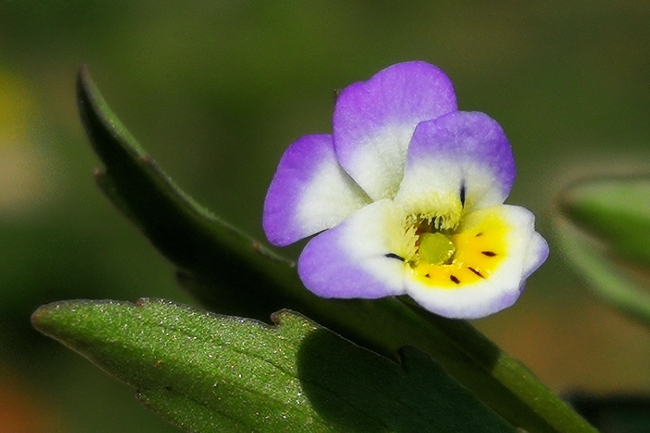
207, 373
194, 239
609, 281
605, 237
614, 210
235, 274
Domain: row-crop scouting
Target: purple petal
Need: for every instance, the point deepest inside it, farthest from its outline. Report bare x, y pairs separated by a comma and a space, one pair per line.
350, 260
465, 155
310, 192
525, 249
374, 121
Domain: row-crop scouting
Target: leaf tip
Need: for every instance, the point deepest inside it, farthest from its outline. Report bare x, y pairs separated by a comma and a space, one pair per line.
83, 73
42, 318
84, 84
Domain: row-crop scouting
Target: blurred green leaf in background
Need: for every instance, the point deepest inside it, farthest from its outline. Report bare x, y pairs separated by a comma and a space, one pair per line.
605, 235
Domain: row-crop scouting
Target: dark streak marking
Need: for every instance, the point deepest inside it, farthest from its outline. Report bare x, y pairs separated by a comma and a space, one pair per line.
462, 194
427, 275
478, 234
488, 253
478, 273
454, 279
394, 256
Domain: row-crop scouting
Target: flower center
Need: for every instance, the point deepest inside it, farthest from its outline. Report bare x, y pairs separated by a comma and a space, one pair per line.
435, 248
459, 257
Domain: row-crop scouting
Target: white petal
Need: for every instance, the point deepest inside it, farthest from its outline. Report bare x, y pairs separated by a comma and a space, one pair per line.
377, 162
310, 192
330, 197
460, 160
536, 254
359, 257
374, 121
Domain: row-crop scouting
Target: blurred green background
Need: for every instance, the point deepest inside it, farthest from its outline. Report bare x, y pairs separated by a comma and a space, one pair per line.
216, 90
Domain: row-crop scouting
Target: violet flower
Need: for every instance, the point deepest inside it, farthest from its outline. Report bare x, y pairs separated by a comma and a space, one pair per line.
407, 197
